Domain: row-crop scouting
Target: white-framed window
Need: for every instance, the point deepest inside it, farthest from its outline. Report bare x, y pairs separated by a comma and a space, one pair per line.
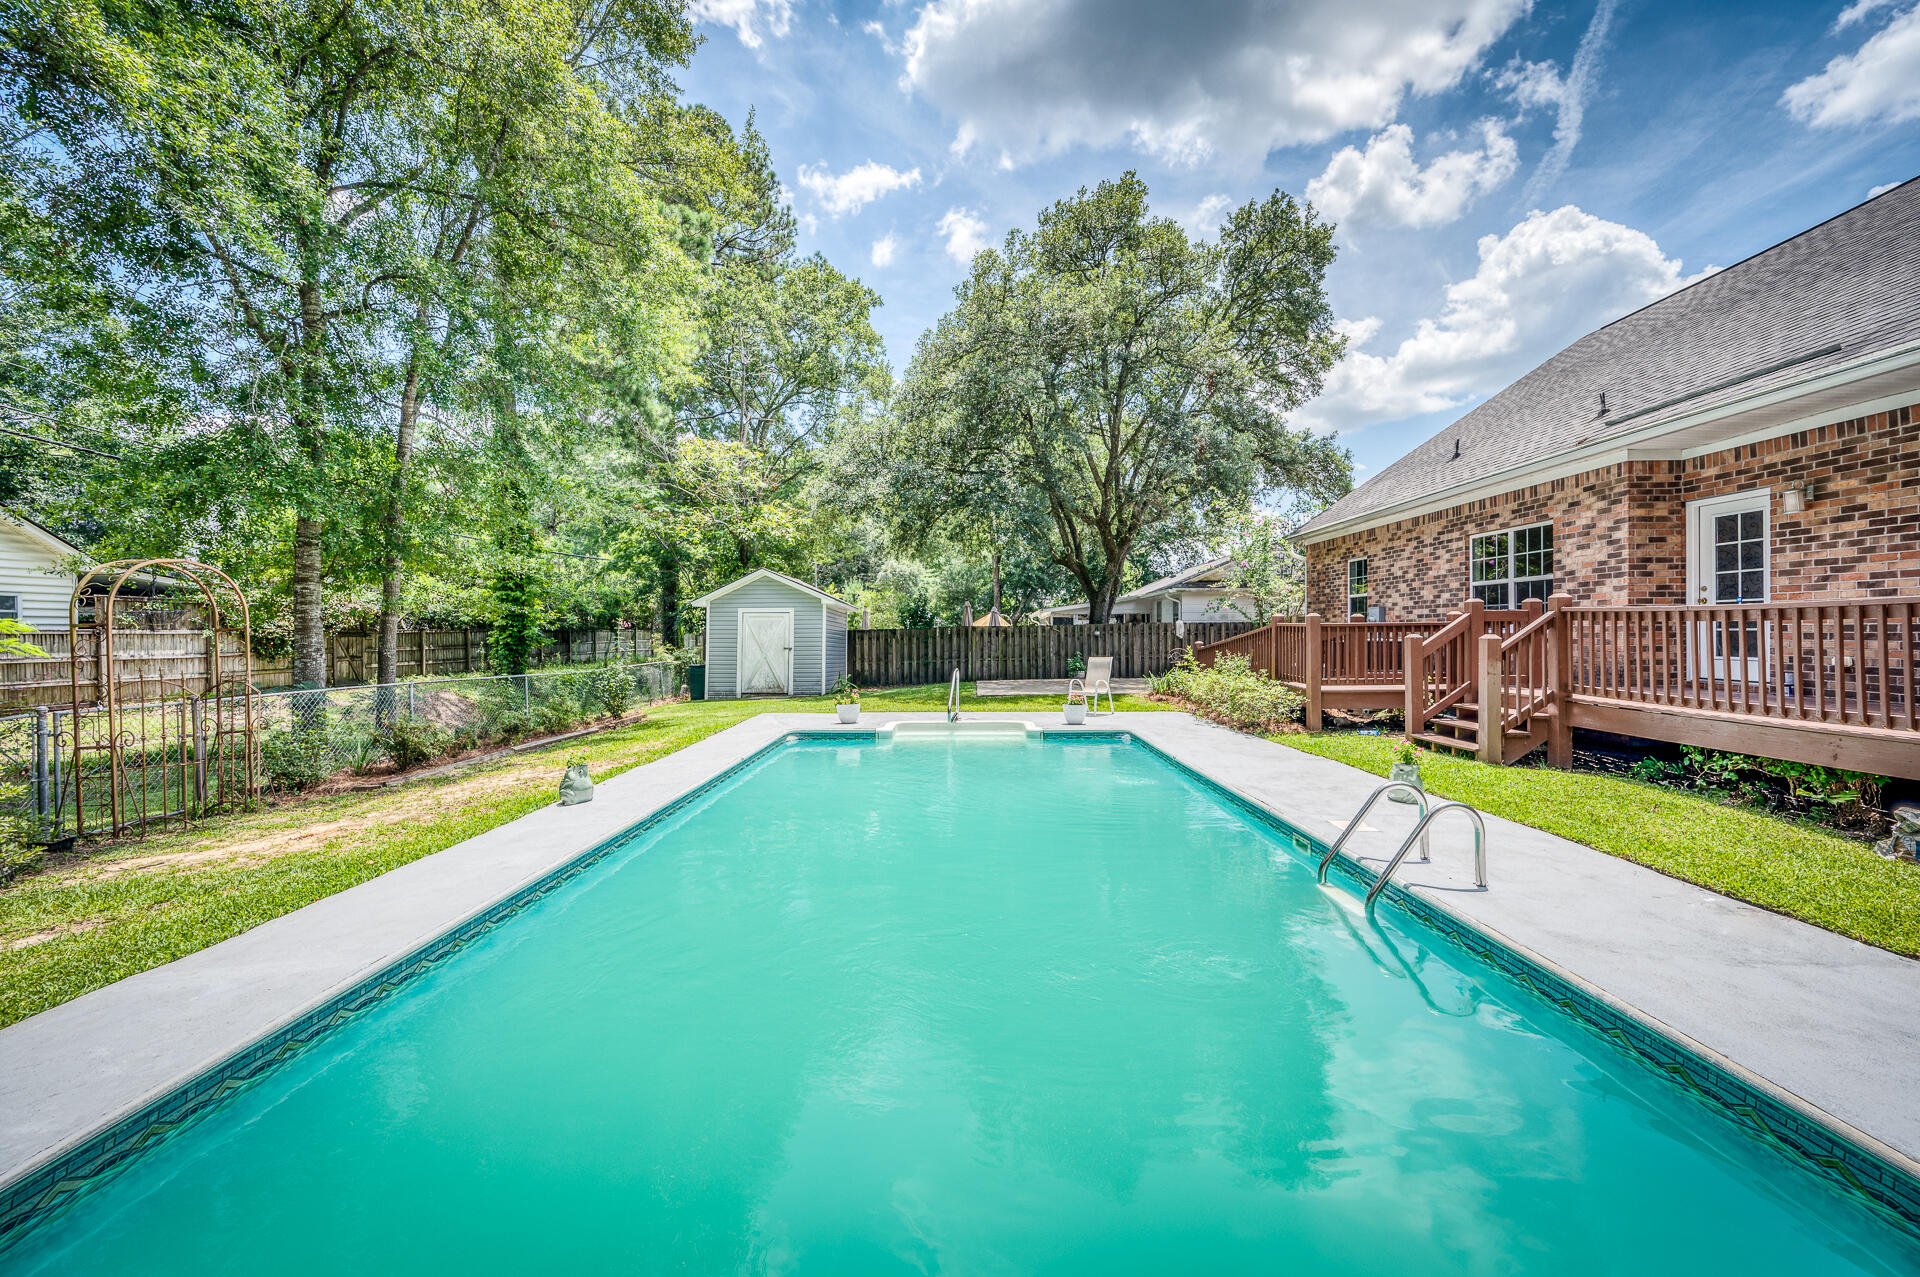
9, 607
1505, 569
1356, 587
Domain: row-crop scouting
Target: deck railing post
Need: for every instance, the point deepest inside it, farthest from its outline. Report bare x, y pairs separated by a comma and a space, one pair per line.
1559, 679
1416, 684
1313, 662
1491, 743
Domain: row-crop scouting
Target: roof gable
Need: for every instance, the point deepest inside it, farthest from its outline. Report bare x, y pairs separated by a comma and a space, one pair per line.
40, 536
1833, 295
768, 574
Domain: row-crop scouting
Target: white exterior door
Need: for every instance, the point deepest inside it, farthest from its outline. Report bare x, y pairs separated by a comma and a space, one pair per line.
766, 652
1727, 553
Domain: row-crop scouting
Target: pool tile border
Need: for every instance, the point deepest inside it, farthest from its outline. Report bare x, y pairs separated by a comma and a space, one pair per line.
1875, 1182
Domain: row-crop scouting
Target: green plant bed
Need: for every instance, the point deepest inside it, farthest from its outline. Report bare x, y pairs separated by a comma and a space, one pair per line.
1782, 865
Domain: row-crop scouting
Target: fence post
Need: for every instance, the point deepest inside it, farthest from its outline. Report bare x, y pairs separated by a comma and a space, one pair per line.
1313, 663
42, 742
1559, 679
1416, 684
199, 758
1490, 742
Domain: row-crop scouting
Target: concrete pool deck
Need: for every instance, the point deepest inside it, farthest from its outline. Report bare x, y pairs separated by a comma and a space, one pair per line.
1831, 1024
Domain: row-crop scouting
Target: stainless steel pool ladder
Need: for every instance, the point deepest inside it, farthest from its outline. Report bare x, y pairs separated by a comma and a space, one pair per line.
1418, 835
953, 697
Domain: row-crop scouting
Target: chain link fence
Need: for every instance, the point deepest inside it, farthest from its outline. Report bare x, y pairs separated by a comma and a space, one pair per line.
306, 737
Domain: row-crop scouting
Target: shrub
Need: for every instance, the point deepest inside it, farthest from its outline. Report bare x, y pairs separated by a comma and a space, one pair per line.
410, 742
20, 851
1231, 691
362, 749
294, 760
612, 690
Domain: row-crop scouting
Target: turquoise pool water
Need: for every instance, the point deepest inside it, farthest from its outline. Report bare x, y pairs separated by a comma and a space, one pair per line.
974, 1008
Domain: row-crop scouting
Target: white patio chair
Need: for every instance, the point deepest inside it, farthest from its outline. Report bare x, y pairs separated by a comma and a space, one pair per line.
1098, 679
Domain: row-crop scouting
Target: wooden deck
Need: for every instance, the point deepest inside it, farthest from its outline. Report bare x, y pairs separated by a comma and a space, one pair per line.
1833, 683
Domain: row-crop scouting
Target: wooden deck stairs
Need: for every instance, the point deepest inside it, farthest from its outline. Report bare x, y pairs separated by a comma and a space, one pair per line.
1828, 683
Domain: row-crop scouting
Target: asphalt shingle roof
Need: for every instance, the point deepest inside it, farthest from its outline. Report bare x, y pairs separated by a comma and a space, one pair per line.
1845, 289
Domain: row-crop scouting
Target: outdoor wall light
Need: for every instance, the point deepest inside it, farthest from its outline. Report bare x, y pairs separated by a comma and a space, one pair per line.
1793, 500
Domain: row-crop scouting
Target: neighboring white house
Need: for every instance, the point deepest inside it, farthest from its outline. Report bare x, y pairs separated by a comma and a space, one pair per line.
33, 588
1197, 594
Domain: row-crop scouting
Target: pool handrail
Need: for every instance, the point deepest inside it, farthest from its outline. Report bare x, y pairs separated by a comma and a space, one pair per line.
1479, 848
1359, 816
953, 697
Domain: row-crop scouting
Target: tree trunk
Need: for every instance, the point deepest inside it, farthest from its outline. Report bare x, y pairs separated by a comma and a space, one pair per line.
309, 635
670, 600
387, 662
996, 584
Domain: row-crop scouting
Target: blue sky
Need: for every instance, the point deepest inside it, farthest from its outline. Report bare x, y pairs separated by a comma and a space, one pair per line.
1506, 176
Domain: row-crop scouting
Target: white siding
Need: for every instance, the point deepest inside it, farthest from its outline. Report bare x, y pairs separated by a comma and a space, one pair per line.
1214, 605
836, 645
723, 629
24, 564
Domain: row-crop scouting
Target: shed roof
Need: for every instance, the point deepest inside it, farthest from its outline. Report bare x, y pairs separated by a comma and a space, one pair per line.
1832, 295
768, 574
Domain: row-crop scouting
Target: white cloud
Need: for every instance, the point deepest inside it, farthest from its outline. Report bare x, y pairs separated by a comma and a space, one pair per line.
884, 249
1878, 81
1384, 186
1547, 282
748, 18
1858, 11
1882, 189
1230, 79
856, 188
1206, 216
966, 234
1540, 85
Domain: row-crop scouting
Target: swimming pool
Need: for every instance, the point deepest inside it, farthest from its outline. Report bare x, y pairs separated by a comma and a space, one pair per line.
967, 1007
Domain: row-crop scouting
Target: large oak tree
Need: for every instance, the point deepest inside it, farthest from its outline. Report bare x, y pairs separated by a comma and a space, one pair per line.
1104, 378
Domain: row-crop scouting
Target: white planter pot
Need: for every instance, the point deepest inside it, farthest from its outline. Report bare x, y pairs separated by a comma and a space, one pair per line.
848, 713
1408, 772
1076, 711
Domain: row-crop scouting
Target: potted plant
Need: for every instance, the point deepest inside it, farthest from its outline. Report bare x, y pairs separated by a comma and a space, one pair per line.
1406, 767
1076, 665
576, 786
846, 700
1076, 707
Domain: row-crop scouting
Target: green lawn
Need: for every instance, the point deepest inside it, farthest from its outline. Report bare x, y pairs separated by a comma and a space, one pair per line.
1777, 864
84, 924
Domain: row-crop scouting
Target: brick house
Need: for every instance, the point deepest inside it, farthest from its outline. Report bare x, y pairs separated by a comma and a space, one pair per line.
1754, 437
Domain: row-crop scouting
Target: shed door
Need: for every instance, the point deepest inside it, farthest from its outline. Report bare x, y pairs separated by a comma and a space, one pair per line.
766, 652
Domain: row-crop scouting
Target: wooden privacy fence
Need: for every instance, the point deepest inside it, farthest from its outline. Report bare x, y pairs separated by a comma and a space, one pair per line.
180, 656
353, 658
902, 658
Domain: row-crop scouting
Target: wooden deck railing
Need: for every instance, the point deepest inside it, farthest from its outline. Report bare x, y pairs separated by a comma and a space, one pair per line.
1832, 683
1362, 653
1844, 663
